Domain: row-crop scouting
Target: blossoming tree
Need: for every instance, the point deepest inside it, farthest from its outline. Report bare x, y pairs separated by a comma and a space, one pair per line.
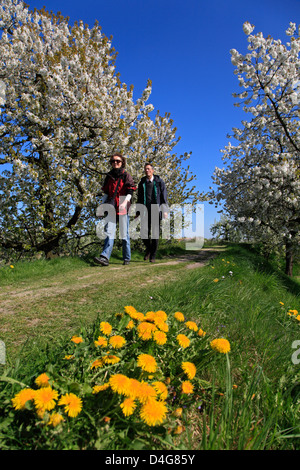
260, 185
65, 111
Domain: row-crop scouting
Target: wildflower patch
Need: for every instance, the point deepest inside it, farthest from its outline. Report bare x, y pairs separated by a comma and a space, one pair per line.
138, 371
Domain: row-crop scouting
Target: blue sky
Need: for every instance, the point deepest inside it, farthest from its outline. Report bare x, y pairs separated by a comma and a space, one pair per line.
183, 47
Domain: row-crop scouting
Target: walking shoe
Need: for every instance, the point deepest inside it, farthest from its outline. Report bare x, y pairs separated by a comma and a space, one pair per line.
152, 260
147, 254
102, 260
126, 262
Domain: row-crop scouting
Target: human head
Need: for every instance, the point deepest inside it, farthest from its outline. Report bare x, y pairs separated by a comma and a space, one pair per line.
149, 170
117, 156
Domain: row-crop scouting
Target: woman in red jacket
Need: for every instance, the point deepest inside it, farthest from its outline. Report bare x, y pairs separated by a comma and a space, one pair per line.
118, 189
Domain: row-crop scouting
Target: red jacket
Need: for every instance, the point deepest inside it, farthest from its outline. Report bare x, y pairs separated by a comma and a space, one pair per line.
126, 186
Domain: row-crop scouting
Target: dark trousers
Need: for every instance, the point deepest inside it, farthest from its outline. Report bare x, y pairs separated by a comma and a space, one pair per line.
151, 246
151, 243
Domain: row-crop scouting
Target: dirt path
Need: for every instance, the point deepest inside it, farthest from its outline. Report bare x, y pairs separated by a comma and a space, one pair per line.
12, 298
42, 309
196, 259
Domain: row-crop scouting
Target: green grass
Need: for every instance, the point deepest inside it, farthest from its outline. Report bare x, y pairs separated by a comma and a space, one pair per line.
254, 398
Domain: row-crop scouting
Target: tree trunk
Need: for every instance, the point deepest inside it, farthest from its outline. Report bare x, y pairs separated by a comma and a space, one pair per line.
289, 259
50, 245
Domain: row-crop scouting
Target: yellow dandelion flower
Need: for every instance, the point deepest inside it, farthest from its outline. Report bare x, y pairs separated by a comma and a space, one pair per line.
72, 404
179, 429
97, 363
220, 345
101, 341
129, 309
146, 330
153, 412
192, 325
11, 266
183, 341
161, 389
20, 399
150, 316
160, 337
117, 341
133, 388
100, 388
190, 369
40, 412
187, 387
178, 412
139, 316
147, 362
110, 359
145, 326
145, 335
216, 280
45, 398
119, 383
298, 317
281, 303
201, 333
55, 419
42, 380
161, 324
293, 312
130, 325
105, 328
128, 406
70, 356
179, 316
146, 392
162, 315
133, 313
77, 339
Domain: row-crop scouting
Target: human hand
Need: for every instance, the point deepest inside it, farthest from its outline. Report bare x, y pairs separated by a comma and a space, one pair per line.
123, 206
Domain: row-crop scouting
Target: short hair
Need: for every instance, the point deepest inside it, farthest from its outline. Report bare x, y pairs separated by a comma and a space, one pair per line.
148, 164
117, 154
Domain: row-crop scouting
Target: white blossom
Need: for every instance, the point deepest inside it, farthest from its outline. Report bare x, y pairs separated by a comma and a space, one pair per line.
260, 186
65, 111
248, 28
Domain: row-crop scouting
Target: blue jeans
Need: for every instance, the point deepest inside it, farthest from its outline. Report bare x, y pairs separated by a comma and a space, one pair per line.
110, 231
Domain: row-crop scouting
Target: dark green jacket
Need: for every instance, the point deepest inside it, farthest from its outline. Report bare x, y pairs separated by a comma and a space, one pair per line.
159, 188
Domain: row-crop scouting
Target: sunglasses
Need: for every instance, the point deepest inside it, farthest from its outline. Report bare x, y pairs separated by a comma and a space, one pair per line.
115, 161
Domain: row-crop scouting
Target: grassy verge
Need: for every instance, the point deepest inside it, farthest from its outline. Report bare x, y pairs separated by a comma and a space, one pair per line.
248, 399
44, 301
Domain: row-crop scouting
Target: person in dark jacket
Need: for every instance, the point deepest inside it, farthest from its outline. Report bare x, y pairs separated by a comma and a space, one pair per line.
152, 193
118, 189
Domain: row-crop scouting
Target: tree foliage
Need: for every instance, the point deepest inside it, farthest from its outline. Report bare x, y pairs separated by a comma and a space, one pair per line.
260, 184
65, 110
